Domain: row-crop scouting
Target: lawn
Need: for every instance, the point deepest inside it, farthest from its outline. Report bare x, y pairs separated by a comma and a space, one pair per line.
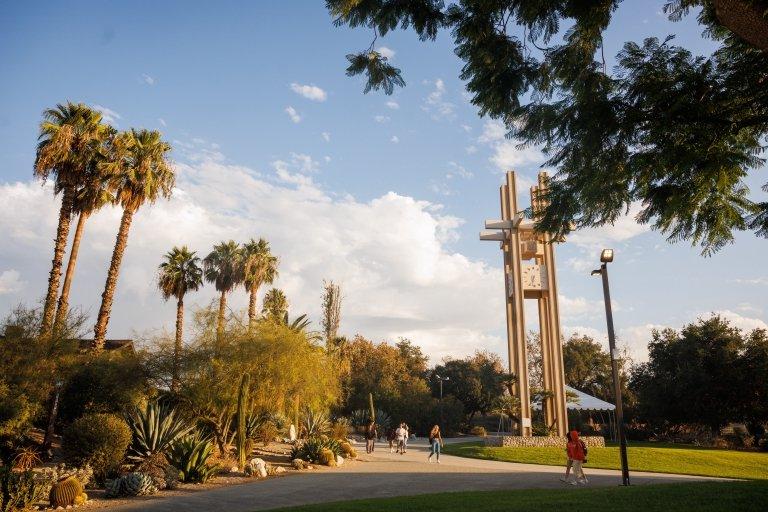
656, 457
694, 497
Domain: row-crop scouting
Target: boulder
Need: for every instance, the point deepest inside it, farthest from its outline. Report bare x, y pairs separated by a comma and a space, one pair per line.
339, 460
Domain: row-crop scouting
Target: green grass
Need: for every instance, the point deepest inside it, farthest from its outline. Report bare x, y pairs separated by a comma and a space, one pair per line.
694, 497
656, 457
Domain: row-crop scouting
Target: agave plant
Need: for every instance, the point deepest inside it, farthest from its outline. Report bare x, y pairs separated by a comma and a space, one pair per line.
190, 455
361, 418
311, 449
155, 429
315, 423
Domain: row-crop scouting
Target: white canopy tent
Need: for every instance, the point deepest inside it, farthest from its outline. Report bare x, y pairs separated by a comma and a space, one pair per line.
585, 402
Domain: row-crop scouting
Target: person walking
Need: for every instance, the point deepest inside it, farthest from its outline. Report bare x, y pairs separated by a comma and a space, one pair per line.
407, 436
392, 439
577, 452
400, 433
370, 437
435, 442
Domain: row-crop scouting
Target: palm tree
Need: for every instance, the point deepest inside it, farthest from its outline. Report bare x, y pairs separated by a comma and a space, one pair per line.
89, 198
138, 172
178, 274
70, 137
223, 267
259, 267
275, 305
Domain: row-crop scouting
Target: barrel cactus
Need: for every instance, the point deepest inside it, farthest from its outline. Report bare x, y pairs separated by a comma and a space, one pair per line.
67, 492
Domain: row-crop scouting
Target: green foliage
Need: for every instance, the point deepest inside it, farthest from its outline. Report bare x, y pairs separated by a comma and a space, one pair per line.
19, 490
190, 455
179, 273
712, 368
131, 484
275, 305
587, 367
327, 457
347, 450
340, 429
311, 450
478, 430
362, 417
314, 423
371, 409
155, 427
66, 492
15, 412
674, 132
99, 440
111, 382
242, 404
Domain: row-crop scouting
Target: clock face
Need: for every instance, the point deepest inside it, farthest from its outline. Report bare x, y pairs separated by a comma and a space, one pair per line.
534, 277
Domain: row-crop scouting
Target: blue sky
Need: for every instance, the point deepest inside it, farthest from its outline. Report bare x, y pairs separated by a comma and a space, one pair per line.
383, 194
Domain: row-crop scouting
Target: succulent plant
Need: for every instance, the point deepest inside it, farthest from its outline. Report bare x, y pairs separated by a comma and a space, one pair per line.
132, 484
347, 450
299, 464
311, 449
66, 492
155, 429
190, 455
327, 457
315, 423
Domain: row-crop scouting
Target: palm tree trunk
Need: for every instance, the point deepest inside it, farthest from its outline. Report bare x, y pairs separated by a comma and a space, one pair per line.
63, 306
178, 345
220, 322
62, 233
252, 306
100, 330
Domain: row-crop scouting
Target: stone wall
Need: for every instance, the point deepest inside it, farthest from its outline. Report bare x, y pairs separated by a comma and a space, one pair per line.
539, 441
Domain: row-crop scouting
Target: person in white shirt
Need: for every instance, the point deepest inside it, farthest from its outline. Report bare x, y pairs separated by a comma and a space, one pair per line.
401, 433
407, 435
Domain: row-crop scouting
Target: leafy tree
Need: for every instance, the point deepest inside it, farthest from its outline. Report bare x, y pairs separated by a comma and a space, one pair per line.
692, 377
588, 367
178, 274
275, 304
476, 381
223, 267
674, 132
259, 267
70, 138
138, 172
753, 369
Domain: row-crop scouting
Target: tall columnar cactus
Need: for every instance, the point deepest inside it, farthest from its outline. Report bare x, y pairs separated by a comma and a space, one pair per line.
242, 438
372, 410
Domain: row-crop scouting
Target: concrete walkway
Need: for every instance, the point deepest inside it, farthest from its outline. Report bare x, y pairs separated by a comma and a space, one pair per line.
384, 475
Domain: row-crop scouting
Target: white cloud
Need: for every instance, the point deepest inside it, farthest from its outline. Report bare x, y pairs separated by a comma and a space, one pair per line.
295, 117
625, 228
108, 115
756, 280
393, 105
458, 170
471, 149
395, 139
311, 92
399, 279
436, 104
742, 322
161, 121
506, 154
386, 52
466, 128
10, 282
326, 136
147, 79
381, 118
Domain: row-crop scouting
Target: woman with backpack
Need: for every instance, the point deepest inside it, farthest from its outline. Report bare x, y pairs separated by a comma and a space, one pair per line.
577, 454
370, 437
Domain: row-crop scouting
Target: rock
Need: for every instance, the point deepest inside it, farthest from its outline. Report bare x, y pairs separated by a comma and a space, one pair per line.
292, 432
280, 469
339, 460
233, 469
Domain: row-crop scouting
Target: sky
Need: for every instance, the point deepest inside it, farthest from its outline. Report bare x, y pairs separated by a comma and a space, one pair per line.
384, 195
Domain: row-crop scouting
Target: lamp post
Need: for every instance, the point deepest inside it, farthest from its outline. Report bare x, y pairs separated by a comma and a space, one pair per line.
441, 379
607, 257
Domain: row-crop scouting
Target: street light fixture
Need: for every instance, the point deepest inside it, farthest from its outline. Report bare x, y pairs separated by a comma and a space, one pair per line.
606, 257
441, 379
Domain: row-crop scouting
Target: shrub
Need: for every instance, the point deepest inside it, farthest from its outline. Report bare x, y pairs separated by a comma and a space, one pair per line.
15, 412
19, 491
478, 430
112, 382
26, 458
311, 449
99, 440
190, 455
340, 429
155, 429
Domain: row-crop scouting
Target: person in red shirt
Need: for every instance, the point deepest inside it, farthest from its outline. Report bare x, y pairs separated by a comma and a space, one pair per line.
577, 453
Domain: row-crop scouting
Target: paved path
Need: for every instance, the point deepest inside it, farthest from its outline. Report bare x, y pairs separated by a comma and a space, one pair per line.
384, 475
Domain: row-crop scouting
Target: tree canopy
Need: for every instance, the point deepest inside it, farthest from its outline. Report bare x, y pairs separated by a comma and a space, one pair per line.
666, 129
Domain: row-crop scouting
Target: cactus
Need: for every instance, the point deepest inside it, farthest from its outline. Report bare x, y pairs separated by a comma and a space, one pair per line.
348, 450
327, 457
242, 438
132, 484
66, 492
371, 409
